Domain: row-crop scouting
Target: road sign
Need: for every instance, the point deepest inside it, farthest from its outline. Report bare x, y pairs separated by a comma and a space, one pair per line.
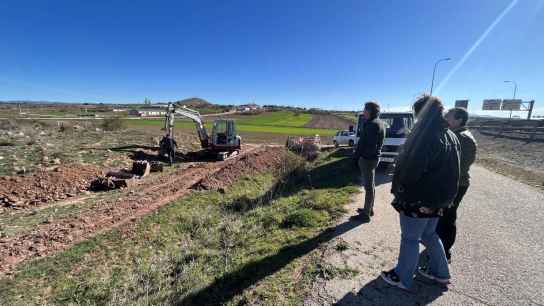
511, 104
492, 104
461, 103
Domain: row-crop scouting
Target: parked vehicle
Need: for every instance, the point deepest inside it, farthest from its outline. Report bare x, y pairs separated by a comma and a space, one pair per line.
397, 127
344, 138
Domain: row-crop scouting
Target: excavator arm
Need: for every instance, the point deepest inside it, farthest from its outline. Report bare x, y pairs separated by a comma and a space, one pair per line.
191, 114
199, 124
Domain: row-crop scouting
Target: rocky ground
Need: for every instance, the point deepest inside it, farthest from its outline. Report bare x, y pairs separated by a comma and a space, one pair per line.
46, 185
520, 159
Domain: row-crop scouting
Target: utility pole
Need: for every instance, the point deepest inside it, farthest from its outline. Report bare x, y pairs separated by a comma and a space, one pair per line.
531, 105
515, 91
434, 70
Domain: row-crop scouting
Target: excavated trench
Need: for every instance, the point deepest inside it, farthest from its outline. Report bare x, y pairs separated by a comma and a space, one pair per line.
107, 213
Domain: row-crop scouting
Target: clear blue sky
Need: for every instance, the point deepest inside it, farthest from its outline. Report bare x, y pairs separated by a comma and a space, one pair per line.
330, 54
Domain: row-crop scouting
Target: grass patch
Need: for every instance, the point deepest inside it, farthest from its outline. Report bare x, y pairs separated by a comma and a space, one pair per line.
281, 118
328, 272
285, 130
283, 122
305, 217
208, 248
342, 246
113, 124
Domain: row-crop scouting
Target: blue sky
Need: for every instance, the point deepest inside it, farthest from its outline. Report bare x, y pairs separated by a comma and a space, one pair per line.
329, 54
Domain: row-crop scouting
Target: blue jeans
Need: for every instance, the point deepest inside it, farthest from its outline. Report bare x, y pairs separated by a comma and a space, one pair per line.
414, 231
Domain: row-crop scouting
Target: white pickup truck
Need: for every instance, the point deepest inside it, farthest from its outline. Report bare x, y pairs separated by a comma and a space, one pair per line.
397, 126
344, 138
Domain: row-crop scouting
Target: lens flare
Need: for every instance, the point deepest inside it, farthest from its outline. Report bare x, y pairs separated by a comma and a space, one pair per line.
475, 45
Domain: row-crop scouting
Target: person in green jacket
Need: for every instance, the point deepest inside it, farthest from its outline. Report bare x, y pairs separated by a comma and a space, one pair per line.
446, 229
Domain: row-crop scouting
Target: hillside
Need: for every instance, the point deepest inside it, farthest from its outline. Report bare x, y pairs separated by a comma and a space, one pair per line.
196, 103
203, 106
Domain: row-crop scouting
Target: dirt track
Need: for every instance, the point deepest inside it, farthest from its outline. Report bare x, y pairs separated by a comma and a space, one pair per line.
134, 202
498, 257
329, 122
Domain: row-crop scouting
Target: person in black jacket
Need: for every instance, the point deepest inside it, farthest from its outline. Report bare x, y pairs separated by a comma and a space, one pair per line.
424, 184
367, 153
447, 229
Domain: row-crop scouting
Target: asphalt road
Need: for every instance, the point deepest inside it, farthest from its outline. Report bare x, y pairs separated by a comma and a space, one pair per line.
498, 257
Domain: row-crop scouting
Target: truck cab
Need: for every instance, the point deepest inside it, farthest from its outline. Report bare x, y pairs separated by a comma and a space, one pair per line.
397, 127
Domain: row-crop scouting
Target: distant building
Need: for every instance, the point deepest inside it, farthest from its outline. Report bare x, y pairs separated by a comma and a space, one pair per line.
248, 107
134, 112
146, 113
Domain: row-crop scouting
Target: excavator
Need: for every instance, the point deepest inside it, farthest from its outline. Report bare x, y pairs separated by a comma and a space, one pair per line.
222, 144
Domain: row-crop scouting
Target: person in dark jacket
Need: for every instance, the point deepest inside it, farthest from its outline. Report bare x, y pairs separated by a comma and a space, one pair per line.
367, 153
446, 228
424, 184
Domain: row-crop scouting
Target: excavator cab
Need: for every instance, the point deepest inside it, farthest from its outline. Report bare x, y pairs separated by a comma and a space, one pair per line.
224, 135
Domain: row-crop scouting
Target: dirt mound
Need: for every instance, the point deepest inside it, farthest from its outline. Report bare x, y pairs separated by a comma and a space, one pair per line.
45, 185
258, 161
323, 121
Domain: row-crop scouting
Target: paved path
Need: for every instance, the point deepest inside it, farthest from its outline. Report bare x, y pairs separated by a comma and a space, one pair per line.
498, 258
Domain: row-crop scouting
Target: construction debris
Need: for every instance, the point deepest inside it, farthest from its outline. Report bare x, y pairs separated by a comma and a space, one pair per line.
308, 147
156, 167
109, 183
141, 168
122, 178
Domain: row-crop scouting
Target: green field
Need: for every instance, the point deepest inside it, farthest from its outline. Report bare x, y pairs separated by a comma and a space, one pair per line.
283, 118
288, 123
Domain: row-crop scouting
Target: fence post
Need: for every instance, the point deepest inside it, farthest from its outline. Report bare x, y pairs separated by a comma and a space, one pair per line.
531, 105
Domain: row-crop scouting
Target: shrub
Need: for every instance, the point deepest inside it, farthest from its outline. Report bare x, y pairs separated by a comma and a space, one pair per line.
8, 125
6, 143
305, 218
270, 221
342, 246
330, 203
113, 124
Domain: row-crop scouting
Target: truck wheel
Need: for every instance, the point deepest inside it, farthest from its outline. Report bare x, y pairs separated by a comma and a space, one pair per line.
335, 143
351, 143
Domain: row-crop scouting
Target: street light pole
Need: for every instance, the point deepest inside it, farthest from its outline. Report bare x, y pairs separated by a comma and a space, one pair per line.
434, 70
515, 87
515, 91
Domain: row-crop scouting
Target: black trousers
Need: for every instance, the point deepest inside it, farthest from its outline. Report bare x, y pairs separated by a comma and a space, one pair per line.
446, 228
